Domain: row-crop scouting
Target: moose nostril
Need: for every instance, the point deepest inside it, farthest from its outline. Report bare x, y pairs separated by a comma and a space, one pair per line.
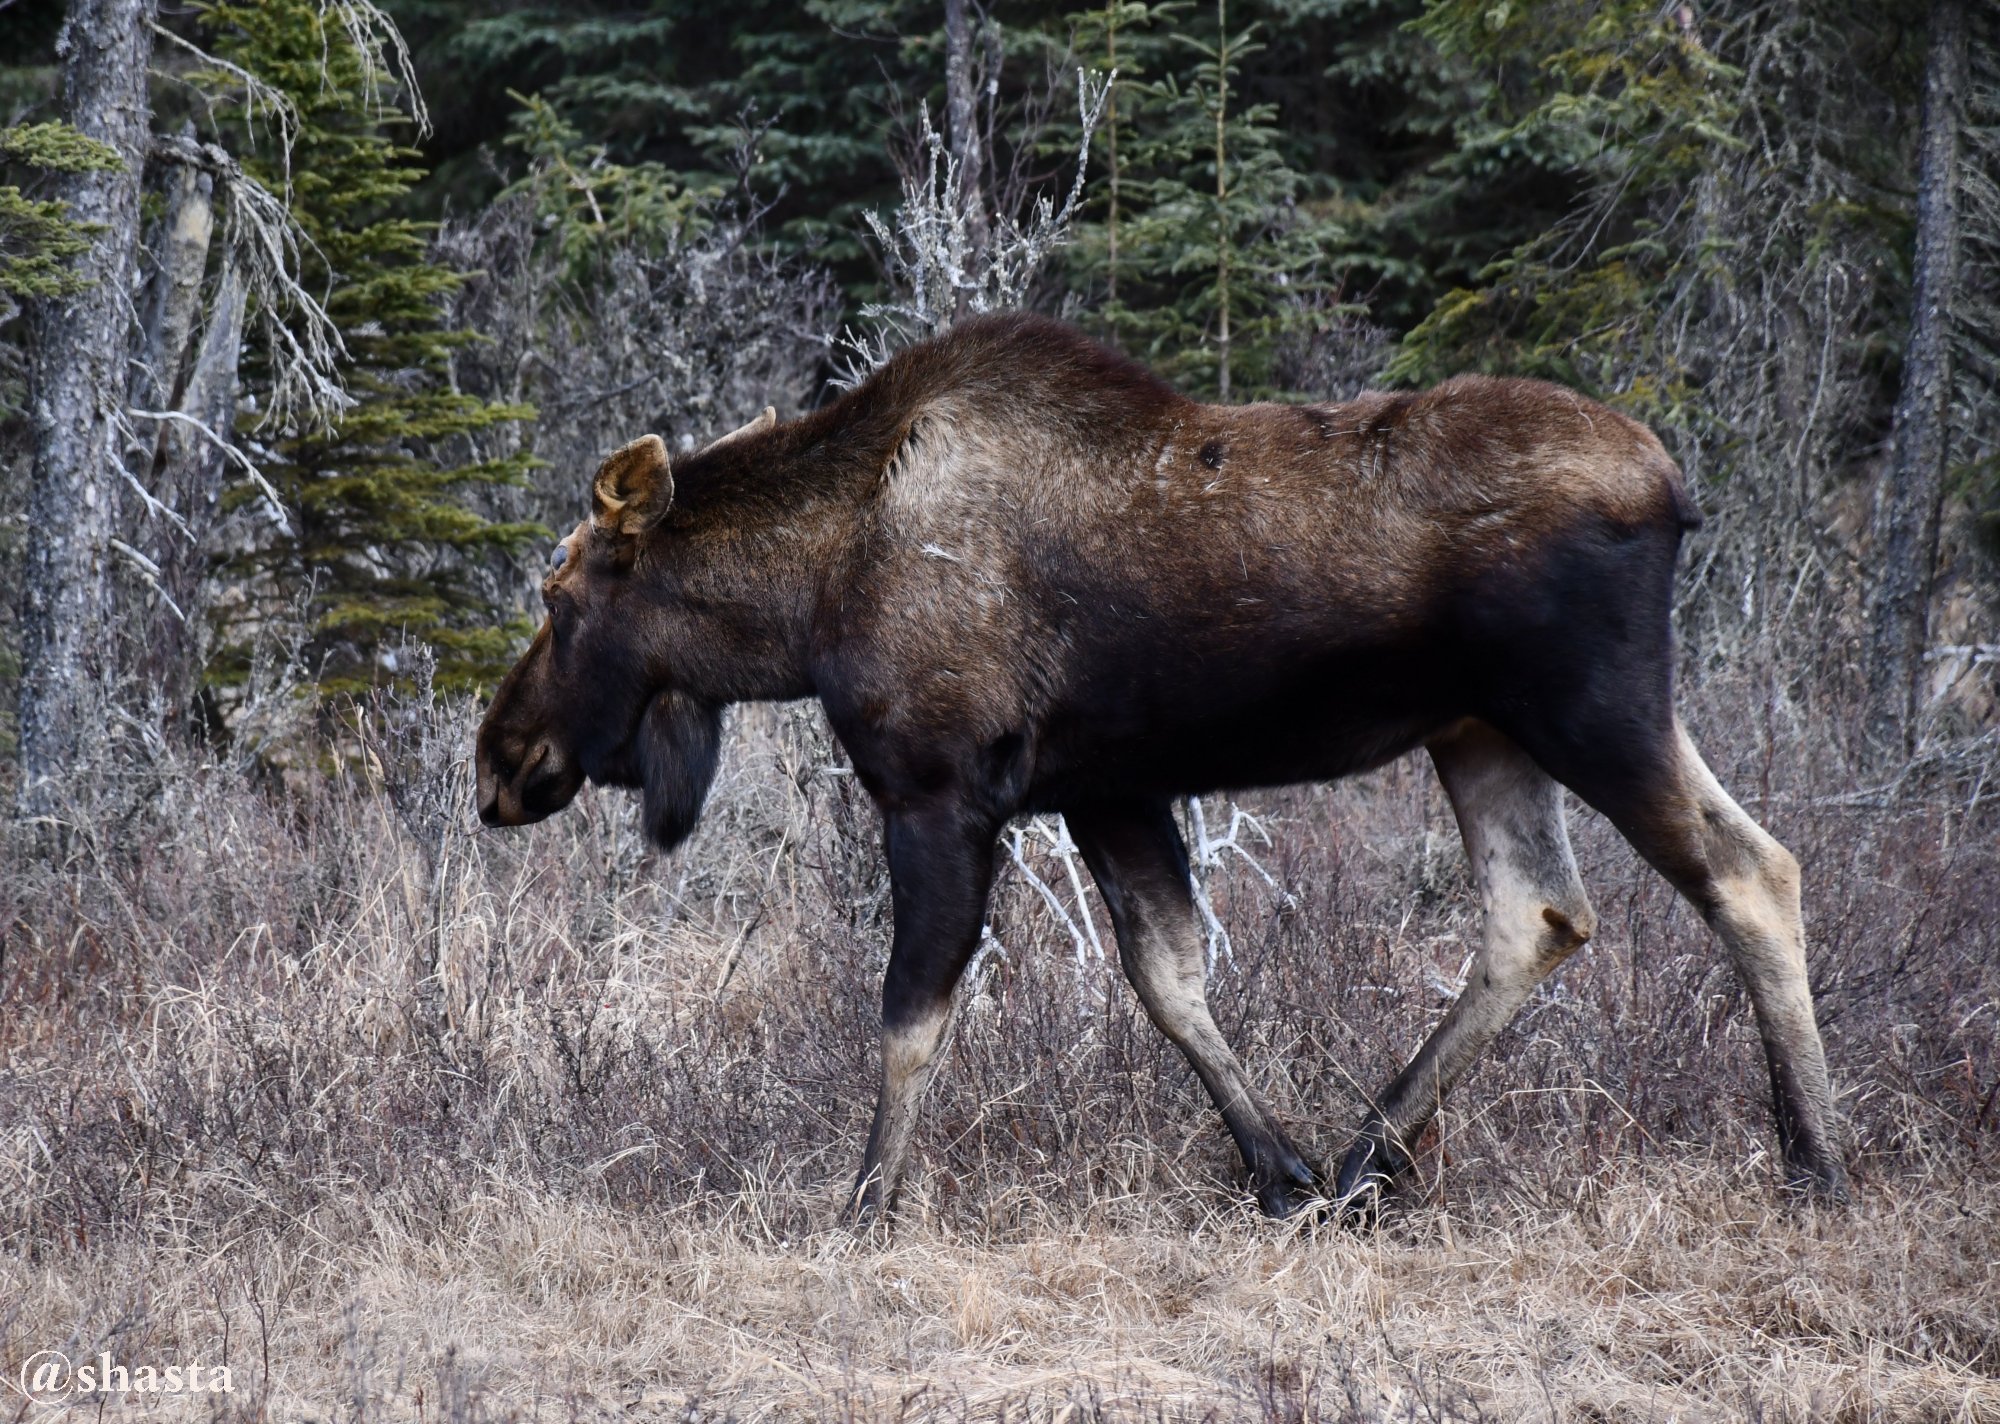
515, 781
506, 763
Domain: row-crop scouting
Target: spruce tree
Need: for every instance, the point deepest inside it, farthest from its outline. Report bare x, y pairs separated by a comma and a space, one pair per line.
383, 540
1216, 256
818, 87
587, 204
1395, 130
1626, 97
1129, 42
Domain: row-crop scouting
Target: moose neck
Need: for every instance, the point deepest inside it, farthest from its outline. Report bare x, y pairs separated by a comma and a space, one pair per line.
757, 528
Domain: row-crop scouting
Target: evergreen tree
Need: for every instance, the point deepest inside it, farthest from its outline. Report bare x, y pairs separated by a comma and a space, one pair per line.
1626, 97
587, 203
1395, 130
383, 540
1217, 257
1128, 41
814, 90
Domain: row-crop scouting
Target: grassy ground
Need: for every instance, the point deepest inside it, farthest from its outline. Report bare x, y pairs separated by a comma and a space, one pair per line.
1682, 1293
405, 1121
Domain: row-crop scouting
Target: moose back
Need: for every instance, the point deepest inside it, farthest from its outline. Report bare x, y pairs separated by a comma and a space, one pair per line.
1023, 574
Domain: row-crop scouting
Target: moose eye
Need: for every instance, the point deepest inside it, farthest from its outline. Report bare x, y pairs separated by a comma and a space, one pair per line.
561, 611
558, 556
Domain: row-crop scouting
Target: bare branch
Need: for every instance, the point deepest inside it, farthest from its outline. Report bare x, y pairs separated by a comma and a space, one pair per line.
257, 94
230, 453
938, 262
150, 573
268, 243
383, 52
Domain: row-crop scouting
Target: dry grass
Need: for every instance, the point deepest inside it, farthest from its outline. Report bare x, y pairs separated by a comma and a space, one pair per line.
407, 1120
1681, 1293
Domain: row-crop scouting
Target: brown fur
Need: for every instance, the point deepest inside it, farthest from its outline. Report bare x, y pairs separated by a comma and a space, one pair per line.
1022, 573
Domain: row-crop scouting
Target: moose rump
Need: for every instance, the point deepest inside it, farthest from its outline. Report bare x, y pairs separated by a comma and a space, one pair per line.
1022, 574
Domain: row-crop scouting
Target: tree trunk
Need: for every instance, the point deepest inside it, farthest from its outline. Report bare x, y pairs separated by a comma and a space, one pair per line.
178, 250
1909, 509
1222, 232
961, 116
190, 393
77, 389
1111, 149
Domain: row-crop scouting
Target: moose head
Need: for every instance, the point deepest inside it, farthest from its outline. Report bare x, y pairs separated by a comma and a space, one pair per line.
595, 696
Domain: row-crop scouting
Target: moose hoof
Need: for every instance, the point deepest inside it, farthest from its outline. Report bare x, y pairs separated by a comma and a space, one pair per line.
1822, 1181
1291, 1188
1367, 1173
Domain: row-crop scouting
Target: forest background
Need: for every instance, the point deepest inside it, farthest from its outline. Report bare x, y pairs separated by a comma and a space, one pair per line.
315, 316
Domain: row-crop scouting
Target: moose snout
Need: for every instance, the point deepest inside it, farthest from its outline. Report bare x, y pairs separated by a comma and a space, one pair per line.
515, 790
489, 793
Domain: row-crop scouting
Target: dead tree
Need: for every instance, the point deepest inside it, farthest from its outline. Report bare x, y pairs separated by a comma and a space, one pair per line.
78, 385
961, 119
1910, 507
183, 404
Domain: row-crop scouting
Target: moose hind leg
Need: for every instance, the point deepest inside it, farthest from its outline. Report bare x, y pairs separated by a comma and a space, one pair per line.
1510, 814
1136, 854
1746, 886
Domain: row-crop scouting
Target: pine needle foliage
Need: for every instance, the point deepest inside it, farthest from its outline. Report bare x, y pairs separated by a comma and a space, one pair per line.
1633, 100
1215, 256
1130, 42
587, 203
37, 237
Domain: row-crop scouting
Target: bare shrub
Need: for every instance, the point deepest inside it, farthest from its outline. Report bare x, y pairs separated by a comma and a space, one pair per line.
943, 257
687, 341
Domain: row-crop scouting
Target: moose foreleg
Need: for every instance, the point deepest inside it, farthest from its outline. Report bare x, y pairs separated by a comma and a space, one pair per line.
940, 870
1510, 814
1140, 863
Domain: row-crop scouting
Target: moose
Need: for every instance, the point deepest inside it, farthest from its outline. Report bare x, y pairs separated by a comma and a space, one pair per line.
1024, 574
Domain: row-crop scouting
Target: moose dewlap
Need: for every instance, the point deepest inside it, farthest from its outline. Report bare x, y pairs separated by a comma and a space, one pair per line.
1023, 574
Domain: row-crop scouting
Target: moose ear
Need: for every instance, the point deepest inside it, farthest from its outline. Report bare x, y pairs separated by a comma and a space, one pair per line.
633, 488
767, 419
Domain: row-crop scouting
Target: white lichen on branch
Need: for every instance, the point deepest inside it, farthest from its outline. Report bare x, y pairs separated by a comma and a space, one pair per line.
934, 264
